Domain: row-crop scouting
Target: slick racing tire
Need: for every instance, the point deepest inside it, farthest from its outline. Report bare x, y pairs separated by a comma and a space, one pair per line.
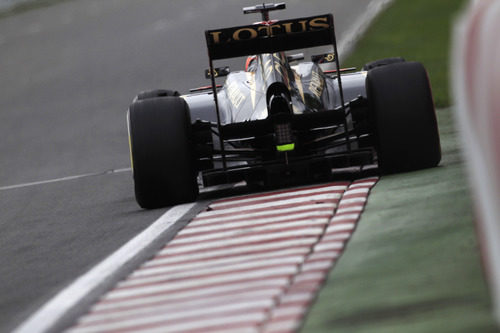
155, 93
382, 62
403, 117
162, 153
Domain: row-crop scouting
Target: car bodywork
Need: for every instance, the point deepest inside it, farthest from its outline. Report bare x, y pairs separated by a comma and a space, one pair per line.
280, 122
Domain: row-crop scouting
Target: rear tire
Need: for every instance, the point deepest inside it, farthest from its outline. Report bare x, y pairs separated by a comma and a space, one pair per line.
382, 62
162, 152
156, 93
403, 117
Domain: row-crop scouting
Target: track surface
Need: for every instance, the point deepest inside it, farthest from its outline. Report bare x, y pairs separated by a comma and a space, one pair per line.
68, 73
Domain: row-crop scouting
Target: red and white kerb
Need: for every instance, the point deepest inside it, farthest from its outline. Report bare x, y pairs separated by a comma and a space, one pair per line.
247, 264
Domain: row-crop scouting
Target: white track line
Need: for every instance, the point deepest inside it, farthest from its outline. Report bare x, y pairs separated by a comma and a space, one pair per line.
58, 180
358, 28
52, 312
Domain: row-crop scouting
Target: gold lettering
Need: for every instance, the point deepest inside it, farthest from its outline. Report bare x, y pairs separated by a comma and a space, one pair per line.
249, 33
288, 27
316, 23
216, 36
237, 34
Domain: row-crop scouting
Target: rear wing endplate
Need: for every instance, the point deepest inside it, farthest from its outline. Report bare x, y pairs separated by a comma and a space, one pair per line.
270, 37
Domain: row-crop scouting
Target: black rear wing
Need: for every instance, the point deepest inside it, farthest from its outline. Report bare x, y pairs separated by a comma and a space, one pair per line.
270, 37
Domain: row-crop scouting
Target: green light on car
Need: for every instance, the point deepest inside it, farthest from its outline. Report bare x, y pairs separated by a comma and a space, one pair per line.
287, 147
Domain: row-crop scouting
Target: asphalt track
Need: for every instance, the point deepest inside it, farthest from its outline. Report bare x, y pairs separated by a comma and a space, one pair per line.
67, 73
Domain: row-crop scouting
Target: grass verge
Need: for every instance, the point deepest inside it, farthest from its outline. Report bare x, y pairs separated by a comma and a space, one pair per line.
417, 31
413, 263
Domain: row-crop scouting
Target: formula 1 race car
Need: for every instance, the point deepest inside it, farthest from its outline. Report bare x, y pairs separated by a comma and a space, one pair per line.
280, 121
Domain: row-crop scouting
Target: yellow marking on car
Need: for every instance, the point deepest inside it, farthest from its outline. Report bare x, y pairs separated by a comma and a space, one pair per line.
330, 57
316, 85
287, 147
130, 141
298, 80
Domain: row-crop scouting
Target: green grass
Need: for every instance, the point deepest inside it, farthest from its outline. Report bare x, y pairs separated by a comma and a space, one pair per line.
418, 31
413, 263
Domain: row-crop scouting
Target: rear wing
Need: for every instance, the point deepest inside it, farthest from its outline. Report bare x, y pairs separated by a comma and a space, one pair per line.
270, 37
